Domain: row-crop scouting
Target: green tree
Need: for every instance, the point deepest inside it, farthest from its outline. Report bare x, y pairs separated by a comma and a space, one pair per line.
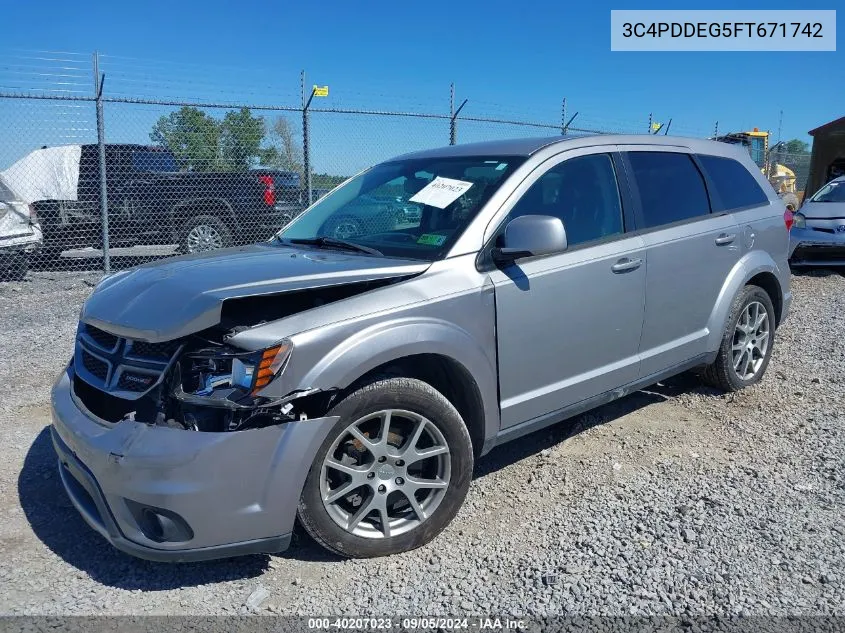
796, 146
285, 150
192, 136
241, 135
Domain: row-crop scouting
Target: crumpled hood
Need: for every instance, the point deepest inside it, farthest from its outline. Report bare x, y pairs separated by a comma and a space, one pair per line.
165, 300
823, 210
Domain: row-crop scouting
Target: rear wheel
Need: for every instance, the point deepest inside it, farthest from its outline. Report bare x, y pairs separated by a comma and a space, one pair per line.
746, 344
392, 473
344, 227
205, 233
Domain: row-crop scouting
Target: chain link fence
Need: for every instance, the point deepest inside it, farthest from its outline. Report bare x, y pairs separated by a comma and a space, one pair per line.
105, 164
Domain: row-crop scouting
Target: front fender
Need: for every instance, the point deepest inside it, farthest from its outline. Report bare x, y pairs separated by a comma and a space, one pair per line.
748, 266
384, 342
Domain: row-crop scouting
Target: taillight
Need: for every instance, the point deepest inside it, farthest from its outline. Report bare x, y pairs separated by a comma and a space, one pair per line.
788, 219
269, 190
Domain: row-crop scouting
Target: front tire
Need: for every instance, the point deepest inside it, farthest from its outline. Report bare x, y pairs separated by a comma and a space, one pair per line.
392, 473
746, 344
16, 269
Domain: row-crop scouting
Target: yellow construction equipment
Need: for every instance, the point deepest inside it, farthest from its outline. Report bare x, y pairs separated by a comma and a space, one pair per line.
780, 176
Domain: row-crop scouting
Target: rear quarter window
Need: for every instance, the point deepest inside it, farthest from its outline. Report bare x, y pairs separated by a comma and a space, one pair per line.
670, 186
735, 187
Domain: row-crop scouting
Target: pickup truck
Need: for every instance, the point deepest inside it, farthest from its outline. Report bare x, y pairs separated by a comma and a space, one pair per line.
151, 202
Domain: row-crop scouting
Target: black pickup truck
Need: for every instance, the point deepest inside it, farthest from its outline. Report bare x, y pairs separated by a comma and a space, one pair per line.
151, 202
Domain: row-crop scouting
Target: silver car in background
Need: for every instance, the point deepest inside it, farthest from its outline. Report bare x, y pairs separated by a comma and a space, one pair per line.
817, 236
351, 383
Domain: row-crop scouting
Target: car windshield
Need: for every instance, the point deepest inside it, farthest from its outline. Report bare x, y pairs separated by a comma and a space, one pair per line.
415, 208
831, 192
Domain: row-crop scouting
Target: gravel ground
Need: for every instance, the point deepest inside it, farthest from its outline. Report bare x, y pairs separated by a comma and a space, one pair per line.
676, 500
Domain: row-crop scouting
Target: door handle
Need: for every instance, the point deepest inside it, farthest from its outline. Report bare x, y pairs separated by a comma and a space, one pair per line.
725, 238
625, 264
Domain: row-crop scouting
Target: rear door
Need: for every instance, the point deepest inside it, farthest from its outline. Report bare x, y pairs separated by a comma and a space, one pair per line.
690, 252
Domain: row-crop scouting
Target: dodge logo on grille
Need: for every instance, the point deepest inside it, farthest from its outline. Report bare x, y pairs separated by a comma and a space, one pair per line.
141, 380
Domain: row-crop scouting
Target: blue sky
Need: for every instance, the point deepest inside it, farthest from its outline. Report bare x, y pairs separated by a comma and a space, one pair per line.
509, 59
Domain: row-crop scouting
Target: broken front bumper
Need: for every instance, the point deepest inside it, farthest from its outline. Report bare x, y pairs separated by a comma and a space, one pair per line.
173, 495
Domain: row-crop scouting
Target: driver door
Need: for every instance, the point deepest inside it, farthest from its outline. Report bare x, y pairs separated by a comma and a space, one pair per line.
569, 324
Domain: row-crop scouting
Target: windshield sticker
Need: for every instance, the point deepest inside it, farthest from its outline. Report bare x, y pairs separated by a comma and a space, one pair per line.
431, 239
441, 192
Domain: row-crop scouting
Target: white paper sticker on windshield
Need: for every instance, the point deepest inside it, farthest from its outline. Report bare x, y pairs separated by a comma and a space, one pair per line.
441, 192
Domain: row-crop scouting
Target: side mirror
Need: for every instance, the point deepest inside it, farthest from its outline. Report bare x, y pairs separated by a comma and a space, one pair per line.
529, 236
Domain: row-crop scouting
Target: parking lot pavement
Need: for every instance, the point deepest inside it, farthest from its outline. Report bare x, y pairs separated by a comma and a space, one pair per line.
675, 500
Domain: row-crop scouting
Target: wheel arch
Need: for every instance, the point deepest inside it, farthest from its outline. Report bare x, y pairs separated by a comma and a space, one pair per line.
186, 208
757, 268
441, 354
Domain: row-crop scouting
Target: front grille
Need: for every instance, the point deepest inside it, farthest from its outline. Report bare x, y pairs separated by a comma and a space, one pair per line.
106, 406
95, 366
132, 381
154, 351
103, 339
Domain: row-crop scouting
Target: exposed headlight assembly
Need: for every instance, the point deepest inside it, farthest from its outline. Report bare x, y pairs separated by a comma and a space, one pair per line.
227, 377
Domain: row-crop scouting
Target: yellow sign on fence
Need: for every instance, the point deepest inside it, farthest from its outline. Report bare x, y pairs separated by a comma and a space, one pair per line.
321, 91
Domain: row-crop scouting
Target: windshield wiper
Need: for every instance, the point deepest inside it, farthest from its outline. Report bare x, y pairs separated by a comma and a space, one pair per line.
334, 242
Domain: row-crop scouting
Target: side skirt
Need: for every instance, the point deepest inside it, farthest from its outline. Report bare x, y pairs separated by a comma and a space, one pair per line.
524, 428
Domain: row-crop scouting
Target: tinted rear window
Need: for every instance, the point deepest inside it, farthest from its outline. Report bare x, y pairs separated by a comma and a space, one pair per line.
153, 161
735, 187
671, 187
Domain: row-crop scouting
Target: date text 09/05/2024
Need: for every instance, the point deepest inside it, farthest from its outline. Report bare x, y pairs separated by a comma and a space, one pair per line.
416, 623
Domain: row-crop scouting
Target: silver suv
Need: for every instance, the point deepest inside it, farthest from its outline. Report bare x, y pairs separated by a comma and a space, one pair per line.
351, 370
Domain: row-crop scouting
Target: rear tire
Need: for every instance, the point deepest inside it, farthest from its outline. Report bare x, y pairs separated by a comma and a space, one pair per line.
204, 233
344, 227
747, 342
375, 516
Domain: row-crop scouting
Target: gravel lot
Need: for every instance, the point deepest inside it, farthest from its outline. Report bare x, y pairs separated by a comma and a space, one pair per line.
677, 500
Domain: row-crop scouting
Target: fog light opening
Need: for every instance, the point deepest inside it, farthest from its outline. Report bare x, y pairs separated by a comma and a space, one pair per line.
160, 525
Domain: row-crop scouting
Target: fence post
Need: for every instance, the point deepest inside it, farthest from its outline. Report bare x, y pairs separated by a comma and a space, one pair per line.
452, 130
101, 148
563, 118
453, 115
306, 145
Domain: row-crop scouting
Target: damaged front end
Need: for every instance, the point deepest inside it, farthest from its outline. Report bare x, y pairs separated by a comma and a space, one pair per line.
197, 383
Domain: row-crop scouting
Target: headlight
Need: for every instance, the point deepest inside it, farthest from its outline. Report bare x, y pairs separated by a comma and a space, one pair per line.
227, 373
799, 221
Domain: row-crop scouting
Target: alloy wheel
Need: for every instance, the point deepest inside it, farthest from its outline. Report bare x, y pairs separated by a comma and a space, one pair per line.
751, 340
385, 474
345, 229
203, 237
